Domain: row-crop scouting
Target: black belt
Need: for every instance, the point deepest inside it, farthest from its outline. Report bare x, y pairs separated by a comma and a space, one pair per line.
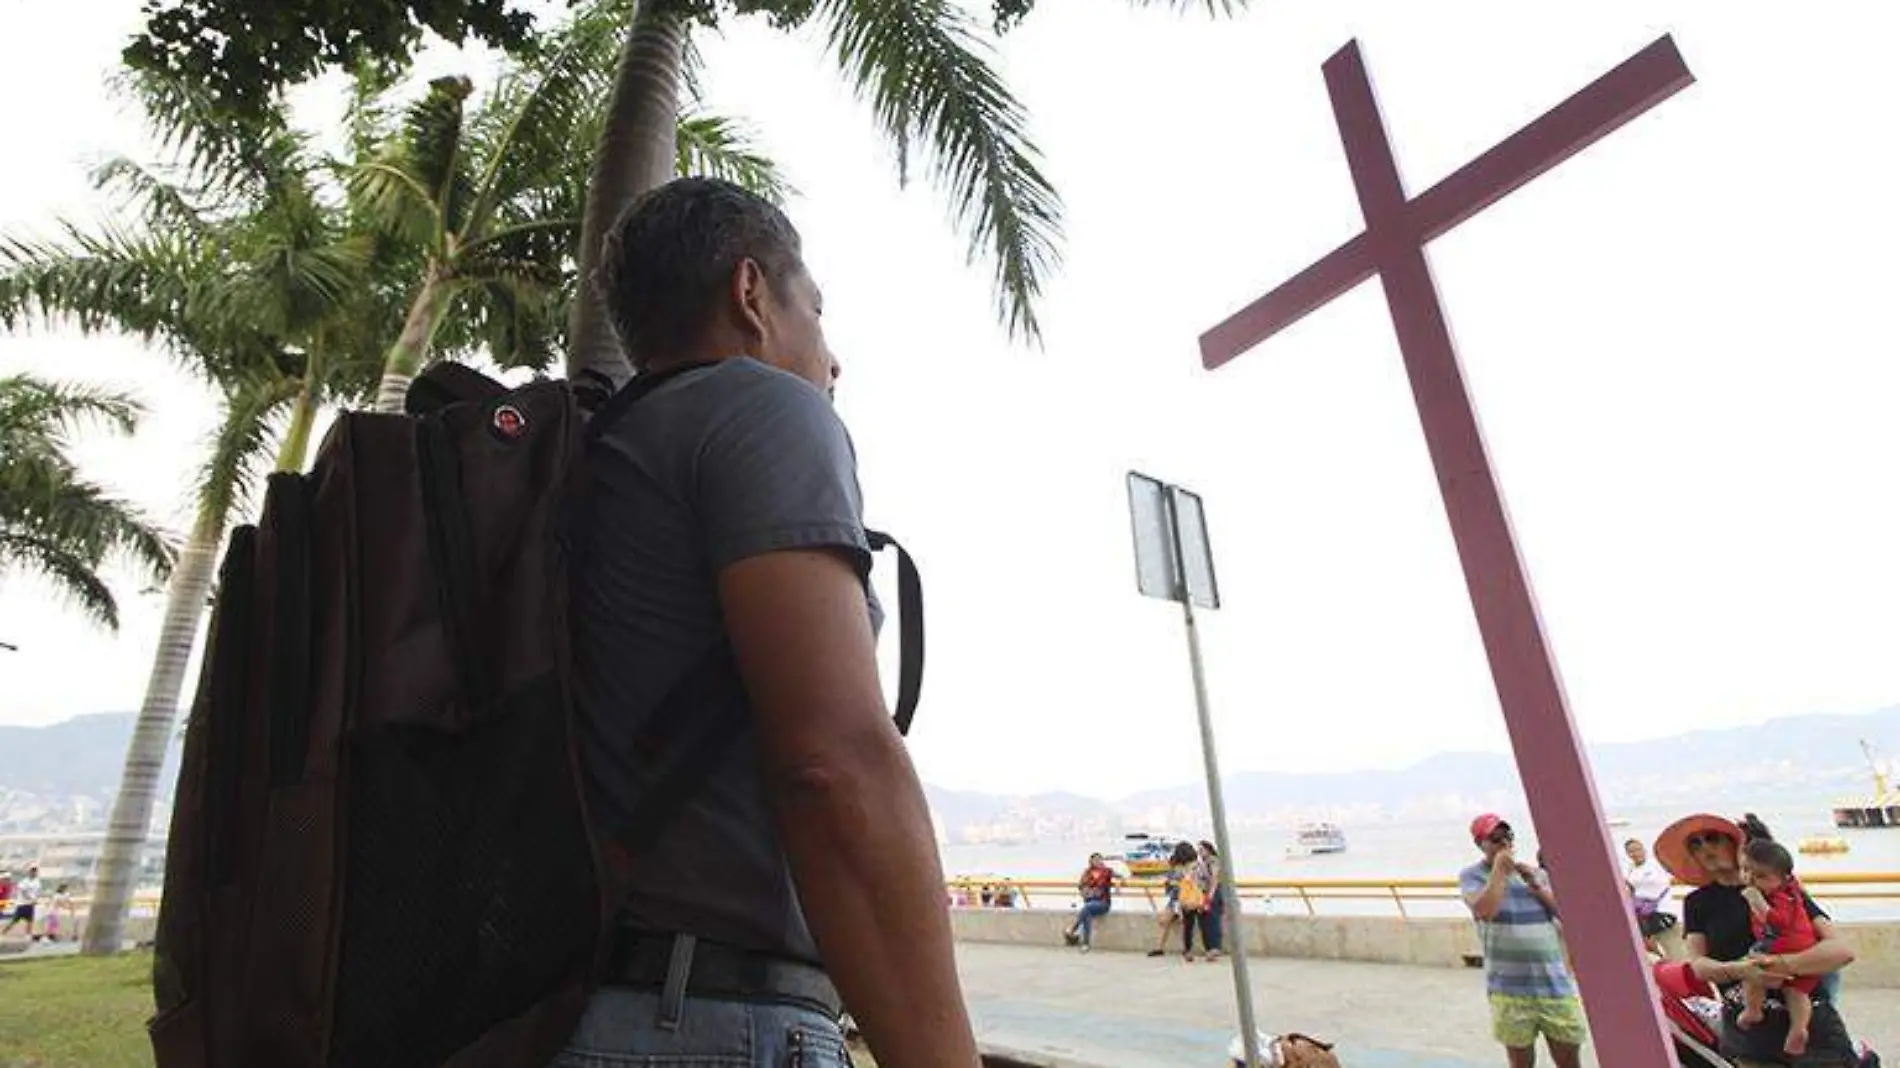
646, 960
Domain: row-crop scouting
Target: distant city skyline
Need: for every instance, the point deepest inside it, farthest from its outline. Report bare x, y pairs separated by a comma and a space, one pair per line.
69, 794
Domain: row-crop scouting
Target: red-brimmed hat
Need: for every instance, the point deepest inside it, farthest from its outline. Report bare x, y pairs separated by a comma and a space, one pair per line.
1672, 845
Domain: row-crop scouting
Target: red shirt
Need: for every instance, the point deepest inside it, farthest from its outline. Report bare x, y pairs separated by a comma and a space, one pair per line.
1787, 919
1096, 883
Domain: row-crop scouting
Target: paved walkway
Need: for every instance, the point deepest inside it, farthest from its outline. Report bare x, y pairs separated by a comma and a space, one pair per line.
1123, 1010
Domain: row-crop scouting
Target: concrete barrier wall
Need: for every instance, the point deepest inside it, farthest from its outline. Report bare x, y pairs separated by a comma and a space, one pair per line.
1436, 943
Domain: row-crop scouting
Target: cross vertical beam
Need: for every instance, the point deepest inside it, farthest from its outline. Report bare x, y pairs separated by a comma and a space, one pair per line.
1558, 785
1612, 971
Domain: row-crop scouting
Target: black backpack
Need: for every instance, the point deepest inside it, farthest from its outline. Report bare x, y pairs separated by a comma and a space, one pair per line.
380, 854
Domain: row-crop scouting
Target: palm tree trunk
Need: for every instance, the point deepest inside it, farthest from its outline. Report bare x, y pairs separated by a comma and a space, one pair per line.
303, 416
639, 150
405, 358
116, 875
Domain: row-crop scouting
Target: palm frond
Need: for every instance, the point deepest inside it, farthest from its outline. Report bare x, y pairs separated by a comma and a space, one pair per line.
692, 71
367, 115
506, 270
922, 67
289, 195
713, 146
545, 240
514, 325
242, 447
221, 151
534, 128
52, 519
433, 144
90, 523
293, 290
74, 576
159, 202
143, 284
32, 407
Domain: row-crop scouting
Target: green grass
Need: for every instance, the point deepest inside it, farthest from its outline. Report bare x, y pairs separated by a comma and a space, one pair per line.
83, 1012
74, 1012
86, 1012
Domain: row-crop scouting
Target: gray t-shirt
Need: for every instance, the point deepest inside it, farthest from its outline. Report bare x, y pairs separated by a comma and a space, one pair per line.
715, 465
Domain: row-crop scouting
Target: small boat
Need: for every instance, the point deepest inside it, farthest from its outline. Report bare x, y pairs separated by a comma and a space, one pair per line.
1879, 809
1820, 843
1147, 855
1619, 821
1313, 839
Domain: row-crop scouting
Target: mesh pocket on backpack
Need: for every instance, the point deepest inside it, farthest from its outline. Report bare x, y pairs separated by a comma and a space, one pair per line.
470, 889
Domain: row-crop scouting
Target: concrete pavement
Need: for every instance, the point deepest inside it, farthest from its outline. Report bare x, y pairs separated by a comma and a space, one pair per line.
1125, 1010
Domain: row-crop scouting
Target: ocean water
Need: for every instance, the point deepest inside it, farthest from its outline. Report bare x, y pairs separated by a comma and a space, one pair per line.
1439, 849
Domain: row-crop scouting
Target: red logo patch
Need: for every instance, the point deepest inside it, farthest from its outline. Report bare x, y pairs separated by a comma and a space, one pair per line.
509, 423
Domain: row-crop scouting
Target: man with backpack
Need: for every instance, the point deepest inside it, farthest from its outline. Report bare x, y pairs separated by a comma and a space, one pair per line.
725, 556
536, 726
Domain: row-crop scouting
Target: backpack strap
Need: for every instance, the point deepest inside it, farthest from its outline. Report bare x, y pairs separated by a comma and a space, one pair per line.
910, 590
910, 612
695, 752
610, 411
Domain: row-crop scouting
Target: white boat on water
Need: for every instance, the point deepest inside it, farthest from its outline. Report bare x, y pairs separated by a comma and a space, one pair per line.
1313, 839
1148, 855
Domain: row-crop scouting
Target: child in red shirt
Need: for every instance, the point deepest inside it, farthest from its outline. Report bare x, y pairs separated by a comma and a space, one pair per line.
1779, 913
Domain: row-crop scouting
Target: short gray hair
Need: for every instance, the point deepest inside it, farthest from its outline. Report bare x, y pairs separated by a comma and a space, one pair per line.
667, 261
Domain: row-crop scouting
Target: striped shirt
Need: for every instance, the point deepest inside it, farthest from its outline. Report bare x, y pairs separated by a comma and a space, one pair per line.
1523, 952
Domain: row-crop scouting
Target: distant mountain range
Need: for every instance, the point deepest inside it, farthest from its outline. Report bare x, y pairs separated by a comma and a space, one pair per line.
62, 777
1736, 765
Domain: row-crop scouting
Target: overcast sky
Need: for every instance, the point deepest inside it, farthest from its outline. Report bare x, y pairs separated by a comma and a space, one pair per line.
1674, 342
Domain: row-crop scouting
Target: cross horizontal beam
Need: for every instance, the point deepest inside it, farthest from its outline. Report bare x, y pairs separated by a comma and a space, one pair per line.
1587, 116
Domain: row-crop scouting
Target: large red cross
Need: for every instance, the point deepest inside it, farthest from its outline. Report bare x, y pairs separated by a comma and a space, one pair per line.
1601, 934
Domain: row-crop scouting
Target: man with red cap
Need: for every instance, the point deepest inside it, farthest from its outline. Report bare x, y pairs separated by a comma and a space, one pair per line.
1529, 983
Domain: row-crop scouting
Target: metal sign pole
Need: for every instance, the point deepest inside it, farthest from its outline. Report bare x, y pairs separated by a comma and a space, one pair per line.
1217, 807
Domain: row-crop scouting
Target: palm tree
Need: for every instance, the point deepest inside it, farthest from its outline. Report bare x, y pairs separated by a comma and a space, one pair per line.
240, 268
492, 197
52, 519
278, 290
925, 72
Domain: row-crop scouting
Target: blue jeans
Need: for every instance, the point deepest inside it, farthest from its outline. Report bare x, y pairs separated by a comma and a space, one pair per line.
1085, 917
625, 1029
1212, 922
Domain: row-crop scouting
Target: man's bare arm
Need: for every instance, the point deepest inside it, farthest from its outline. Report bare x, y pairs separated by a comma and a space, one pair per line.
1830, 954
1485, 903
850, 809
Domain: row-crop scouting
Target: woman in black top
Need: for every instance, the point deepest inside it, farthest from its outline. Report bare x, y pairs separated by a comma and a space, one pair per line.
1702, 851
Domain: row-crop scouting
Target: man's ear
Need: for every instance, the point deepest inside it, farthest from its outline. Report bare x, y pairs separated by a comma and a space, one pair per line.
748, 293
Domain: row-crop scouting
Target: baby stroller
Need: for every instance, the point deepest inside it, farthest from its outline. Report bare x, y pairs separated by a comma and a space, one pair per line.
1694, 1014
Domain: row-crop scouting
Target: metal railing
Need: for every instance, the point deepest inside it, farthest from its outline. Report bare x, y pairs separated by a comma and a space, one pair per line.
1311, 893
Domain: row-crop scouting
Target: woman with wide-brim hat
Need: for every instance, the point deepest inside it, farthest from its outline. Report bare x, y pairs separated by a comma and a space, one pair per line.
1704, 851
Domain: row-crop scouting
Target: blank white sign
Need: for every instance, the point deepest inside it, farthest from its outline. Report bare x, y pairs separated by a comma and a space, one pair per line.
1156, 543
